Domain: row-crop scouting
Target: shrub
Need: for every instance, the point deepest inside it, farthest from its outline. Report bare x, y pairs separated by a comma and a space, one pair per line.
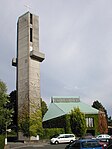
78, 122
49, 132
2, 141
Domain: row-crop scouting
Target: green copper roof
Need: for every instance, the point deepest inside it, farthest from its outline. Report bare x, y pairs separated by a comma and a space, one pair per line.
59, 109
53, 112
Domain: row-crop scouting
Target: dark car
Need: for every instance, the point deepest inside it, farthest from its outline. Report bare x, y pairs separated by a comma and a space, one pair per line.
67, 147
109, 146
85, 144
105, 142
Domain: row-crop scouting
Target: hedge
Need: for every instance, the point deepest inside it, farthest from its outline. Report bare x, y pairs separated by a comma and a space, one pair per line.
2, 141
49, 132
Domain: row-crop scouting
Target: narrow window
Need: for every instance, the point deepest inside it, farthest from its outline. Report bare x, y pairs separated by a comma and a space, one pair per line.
31, 35
30, 18
90, 122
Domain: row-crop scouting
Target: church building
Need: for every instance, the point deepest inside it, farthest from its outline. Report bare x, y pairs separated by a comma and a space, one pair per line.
60, 106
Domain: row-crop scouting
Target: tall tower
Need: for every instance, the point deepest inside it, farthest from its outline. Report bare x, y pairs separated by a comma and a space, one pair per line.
28, 66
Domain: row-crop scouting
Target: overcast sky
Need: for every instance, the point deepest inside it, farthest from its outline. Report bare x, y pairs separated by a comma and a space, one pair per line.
76, 37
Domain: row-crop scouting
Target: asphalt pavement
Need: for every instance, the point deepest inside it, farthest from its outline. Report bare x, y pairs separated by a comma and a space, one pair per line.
17, 145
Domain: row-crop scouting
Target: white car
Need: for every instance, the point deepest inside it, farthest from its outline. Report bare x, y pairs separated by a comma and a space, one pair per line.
106, 136
63, 138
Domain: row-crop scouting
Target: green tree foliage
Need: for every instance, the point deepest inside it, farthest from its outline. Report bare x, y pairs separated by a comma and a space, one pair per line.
78, 122
48, 133
24, 126
13, 105
5, 111
67, 124
23, 120
43, 107
2, 141
30, 123
36, 123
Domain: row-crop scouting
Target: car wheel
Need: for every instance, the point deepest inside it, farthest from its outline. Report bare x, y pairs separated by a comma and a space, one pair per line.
56, 142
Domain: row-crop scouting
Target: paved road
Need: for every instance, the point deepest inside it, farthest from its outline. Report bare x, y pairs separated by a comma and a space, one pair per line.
37, 146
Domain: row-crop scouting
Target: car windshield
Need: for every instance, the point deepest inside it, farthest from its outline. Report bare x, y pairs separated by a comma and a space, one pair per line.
90, 144
55, 136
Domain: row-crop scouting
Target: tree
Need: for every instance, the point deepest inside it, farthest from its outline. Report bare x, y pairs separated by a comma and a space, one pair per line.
27, 124
78, 122
67, 126
102, 117
23, 120
36, 123
110, 121
43, 107
97, 105
103, 127
30, 124
5, 112
13, 105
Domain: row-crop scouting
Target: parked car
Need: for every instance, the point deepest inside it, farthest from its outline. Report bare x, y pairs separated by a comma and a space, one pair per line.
63, 138
109, 147
104, 142
85, 144
70, 144
103, 136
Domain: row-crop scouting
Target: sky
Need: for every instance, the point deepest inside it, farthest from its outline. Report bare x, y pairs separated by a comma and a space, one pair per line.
76, 37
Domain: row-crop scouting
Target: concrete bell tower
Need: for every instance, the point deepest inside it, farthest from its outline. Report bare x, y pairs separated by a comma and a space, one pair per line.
28, 65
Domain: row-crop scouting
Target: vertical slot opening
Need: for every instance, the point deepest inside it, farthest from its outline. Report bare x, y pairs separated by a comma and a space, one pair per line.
31, 19
31, 35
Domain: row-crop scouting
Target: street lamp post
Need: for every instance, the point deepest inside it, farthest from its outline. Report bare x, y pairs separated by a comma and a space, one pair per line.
7, 130
6, 135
